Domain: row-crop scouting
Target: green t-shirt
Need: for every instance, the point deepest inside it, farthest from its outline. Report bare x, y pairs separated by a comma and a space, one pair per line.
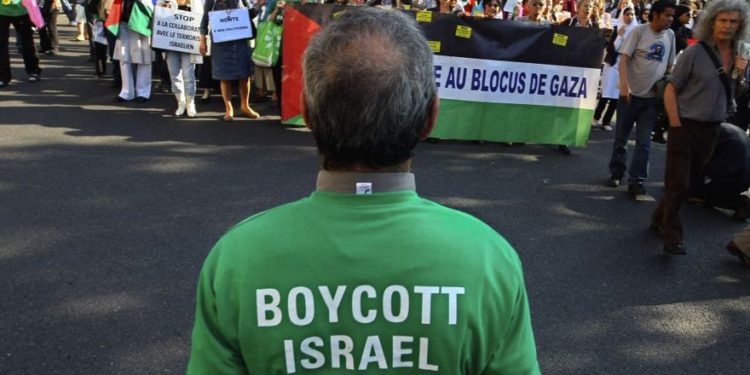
12, 8
374, 284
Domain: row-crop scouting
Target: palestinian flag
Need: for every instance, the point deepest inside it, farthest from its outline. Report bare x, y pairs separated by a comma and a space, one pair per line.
300, 24
112, 23
141, 17
497, 80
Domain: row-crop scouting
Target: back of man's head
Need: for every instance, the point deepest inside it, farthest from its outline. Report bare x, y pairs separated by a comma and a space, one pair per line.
369, 89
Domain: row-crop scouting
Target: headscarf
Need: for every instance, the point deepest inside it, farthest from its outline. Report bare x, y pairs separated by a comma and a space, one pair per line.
622, 25
621, 19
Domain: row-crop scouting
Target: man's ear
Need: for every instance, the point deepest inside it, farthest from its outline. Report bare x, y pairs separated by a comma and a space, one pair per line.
431, 119
305, 116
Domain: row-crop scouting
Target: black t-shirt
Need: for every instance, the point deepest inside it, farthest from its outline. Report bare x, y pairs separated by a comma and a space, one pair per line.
127, 8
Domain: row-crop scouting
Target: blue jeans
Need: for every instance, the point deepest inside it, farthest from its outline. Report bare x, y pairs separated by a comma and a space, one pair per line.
643, 112
182, 72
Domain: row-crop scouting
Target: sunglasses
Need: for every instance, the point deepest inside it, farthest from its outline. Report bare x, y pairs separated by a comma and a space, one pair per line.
538, 4
494, 5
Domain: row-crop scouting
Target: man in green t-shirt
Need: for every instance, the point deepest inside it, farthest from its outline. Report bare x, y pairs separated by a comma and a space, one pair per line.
364, 275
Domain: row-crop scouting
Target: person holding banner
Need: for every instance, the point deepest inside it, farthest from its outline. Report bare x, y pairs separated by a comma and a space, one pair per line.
12, 12
492, 9
181, 65
583, 18
447, 6
557, 14
570, 6
547, 14
584, 15
536, 9
230, 58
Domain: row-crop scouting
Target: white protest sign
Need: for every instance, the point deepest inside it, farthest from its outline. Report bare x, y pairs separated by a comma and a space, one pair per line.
229, 25
176, 30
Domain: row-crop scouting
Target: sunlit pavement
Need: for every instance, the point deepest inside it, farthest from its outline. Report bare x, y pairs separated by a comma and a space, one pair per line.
107, 211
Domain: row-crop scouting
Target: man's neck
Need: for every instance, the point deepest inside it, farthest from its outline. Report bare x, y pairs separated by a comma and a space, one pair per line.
358, 168
364, 183
654, 27
723, 43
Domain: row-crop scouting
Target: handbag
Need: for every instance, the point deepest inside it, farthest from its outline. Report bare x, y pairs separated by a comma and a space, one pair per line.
34, 13
267, 44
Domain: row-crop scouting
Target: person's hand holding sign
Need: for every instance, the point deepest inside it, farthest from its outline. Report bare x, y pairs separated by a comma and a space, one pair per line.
202, 47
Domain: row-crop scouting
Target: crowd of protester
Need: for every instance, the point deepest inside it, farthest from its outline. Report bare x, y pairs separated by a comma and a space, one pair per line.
178, 74
632, 85
88, 16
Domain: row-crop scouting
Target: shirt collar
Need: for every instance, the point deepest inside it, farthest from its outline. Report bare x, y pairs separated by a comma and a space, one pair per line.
364, 183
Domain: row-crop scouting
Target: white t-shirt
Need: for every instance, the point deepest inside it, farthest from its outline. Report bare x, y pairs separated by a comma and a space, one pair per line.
650, 54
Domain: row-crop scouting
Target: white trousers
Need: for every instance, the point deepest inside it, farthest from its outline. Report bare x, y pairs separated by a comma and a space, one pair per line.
182, 72
135, 85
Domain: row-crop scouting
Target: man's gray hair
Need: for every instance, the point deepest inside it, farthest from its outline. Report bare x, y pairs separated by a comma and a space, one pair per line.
369, 88
704, 30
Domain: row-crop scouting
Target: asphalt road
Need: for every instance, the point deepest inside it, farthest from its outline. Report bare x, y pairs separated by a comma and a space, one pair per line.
107, 211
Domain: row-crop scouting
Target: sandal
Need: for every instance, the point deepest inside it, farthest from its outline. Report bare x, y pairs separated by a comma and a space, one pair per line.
734, 250
227, 118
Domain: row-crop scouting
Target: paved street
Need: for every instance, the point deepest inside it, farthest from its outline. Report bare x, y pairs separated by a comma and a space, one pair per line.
107, 211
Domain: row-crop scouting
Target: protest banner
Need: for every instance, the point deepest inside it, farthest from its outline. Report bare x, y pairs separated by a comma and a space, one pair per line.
176, 30
497, 80
231, 24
